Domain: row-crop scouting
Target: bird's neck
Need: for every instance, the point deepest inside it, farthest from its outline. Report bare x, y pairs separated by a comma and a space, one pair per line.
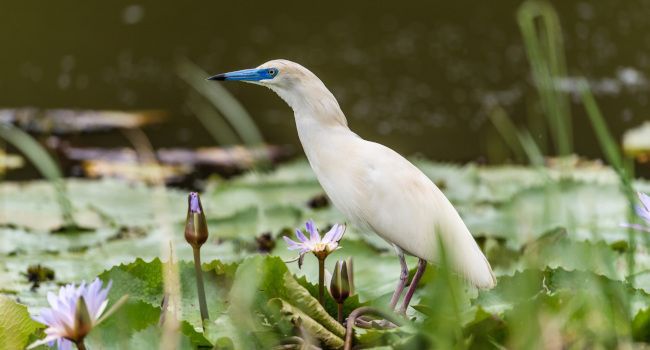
320, 122
313, 102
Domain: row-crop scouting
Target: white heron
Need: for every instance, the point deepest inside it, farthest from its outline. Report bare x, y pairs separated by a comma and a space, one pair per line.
372, 185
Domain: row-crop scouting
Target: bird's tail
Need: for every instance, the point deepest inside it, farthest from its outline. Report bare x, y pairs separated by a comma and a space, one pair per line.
463, 253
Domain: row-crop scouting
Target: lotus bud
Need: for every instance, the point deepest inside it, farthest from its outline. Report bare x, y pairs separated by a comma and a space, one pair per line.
196, 233
341, 286
196, 227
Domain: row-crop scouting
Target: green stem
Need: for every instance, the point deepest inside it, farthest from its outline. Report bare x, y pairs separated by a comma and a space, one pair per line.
349, 329
321, 280
80, 344
340, 313
200, 289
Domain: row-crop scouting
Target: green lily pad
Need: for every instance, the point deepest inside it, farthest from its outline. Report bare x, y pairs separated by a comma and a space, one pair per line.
15, 324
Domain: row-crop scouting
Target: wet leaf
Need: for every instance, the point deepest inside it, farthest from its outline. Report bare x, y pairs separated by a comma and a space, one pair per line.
297, 317
143, 281
15, 324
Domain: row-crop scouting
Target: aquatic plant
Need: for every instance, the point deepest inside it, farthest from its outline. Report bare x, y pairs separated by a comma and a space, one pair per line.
196, 234
73, 313
320, 247
342, 284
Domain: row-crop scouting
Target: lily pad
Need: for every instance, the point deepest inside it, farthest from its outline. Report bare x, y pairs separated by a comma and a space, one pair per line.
15, 324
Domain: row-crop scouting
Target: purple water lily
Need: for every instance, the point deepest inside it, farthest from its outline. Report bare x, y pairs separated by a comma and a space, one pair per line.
321, 247
72, 314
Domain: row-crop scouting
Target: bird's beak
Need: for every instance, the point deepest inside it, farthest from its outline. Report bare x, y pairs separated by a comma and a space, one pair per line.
254, 74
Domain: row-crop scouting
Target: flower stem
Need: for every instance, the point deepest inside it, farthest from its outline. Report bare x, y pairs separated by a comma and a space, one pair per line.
321, 280
200, 289
340, 312
80, 344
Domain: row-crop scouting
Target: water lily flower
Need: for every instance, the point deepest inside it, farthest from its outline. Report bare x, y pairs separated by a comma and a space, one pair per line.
73, 313
321, 247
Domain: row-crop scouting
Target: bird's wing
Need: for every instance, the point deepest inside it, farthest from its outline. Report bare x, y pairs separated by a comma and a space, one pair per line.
405, 207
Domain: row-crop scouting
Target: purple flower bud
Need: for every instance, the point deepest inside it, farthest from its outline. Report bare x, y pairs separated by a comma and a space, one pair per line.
196, 227
341, 285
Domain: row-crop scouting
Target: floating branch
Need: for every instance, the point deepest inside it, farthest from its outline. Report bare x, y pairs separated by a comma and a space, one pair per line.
70, 121
174, 164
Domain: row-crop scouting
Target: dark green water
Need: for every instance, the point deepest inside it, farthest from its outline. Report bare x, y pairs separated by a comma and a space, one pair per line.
418, 76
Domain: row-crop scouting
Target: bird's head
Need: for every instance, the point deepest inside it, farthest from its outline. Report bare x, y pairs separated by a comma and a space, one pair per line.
295, 84
275, 74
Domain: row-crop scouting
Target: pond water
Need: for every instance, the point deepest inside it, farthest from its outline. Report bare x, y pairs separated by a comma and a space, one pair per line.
419, 77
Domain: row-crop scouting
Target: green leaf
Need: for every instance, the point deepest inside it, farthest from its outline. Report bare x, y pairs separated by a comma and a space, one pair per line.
297, 317
15, 324
331, 306
144, 281
641, 326
303, 300
260, 279
555, 249
150, 337
380, 268
114, 333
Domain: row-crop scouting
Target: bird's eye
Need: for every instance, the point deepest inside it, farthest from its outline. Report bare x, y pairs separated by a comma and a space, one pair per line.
272, 71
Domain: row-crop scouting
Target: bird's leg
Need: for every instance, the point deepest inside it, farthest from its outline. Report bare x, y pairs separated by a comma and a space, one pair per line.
422, 264
403, 277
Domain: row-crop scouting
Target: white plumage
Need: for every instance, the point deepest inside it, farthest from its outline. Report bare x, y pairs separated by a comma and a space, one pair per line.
371, 184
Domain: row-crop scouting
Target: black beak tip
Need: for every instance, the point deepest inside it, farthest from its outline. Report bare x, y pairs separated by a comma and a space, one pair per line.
217, 77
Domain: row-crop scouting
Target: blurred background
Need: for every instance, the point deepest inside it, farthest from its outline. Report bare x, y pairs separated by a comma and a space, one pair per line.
115, 89
420, 77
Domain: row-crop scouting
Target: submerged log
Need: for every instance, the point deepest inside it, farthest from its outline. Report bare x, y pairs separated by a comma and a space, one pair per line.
174, 165
232, 157
69, 121
147, 172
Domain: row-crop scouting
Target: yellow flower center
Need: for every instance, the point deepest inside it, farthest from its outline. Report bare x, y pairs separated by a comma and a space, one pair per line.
319, 247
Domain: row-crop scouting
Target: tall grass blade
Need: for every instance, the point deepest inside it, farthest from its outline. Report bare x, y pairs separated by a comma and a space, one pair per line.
508, 132
222, 100
43, 162
607, 143
212, 121
542, 35
615, 157
532, 150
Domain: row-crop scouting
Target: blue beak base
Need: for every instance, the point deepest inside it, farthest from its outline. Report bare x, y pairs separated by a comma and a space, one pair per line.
254, 74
